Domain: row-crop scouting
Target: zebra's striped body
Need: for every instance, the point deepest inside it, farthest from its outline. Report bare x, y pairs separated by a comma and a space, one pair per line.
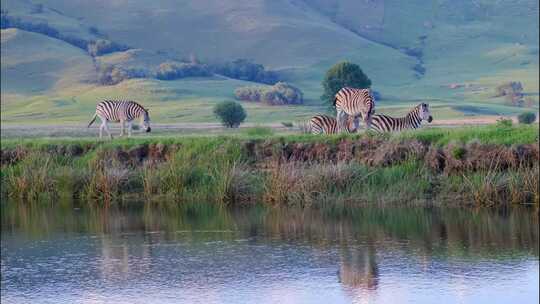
120, 111
356, 103
413, 120
324, 124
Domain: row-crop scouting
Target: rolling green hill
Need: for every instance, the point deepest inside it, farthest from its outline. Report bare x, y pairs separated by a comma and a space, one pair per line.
450, 53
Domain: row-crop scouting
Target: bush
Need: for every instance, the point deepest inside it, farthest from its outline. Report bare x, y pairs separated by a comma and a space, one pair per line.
111, 75
230, 113
103, 46
527, 118
174, 70
343, 74
504, 124
245, 70
279, 94
512, 92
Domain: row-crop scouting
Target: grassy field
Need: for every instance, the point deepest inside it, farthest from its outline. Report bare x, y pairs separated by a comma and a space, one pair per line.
476, 46
304, 170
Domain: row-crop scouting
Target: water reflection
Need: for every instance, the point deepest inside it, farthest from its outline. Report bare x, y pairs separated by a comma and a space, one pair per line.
204, 253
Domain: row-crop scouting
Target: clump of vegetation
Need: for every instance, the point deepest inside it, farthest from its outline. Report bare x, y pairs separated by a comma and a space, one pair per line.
102, 46
245, 70
343, 74
174, 70
281, 93
230, 113
458, 152
111, 75
499, 167
512, 92
527, 118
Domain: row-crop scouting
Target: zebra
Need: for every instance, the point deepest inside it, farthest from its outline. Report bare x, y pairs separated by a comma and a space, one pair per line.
324, 124
413, 120
358, 103
120, 111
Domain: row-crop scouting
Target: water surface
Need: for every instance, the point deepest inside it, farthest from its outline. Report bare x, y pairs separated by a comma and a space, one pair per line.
205, 254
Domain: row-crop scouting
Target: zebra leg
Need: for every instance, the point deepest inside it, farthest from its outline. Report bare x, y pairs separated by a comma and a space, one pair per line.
106, 127
129, 128
101, 130
356, 122
122, 125
341, 120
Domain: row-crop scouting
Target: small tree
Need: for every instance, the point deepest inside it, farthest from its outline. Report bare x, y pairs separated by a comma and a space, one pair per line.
343, 74
230, 113
527, 118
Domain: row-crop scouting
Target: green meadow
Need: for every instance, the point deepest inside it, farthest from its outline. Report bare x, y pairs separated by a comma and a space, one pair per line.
450, 55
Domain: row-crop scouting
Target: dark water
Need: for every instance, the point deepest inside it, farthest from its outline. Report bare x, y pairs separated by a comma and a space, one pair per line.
151, 254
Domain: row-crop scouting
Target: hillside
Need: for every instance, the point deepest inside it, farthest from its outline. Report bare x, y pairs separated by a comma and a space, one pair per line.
413, 50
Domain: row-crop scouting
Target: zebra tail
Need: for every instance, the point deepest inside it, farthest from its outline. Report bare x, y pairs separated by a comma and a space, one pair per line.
92, 121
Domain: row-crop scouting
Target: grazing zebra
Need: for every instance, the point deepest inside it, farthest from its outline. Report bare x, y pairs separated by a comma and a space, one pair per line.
120, 111
324, 124
413, 120
356, 103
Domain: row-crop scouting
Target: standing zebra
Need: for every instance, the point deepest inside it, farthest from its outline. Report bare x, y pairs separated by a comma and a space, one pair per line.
413, 120
120, 111
356, 103
324, 124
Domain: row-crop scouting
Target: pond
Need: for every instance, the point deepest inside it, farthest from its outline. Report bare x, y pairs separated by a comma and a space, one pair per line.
144, 253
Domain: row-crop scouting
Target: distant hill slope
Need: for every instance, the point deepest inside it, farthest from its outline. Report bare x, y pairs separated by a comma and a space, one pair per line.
34, 63
411, 50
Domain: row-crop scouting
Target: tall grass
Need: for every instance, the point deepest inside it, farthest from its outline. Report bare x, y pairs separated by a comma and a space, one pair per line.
222, 170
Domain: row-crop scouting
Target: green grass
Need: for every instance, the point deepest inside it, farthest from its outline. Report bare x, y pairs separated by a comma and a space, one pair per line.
223, 169
480, 44
491, 134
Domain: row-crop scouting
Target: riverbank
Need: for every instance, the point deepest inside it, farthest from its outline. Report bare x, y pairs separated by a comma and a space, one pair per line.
488, 165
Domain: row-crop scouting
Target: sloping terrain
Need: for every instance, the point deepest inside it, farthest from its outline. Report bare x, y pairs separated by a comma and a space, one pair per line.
450, 53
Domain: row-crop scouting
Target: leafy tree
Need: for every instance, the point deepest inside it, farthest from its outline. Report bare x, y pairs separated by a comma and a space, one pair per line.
527, 118
230, 113
343, 74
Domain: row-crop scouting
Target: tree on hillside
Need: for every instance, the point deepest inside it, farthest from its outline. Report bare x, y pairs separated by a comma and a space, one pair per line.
230, 113
343, 74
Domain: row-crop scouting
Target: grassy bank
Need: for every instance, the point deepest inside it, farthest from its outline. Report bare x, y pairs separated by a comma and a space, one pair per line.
489, 165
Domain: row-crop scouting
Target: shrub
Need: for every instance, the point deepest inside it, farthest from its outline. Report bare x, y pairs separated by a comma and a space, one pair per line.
174, 70
503, 123
512, 92
111, 75
230, 113
343, 74
527, 118
279, 94
103, 46
245, 70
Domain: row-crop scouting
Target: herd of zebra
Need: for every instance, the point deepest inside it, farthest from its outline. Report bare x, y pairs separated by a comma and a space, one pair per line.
354, 104
351, 106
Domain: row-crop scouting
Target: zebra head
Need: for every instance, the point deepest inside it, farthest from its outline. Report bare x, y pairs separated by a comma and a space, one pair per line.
424, 113
145, 121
